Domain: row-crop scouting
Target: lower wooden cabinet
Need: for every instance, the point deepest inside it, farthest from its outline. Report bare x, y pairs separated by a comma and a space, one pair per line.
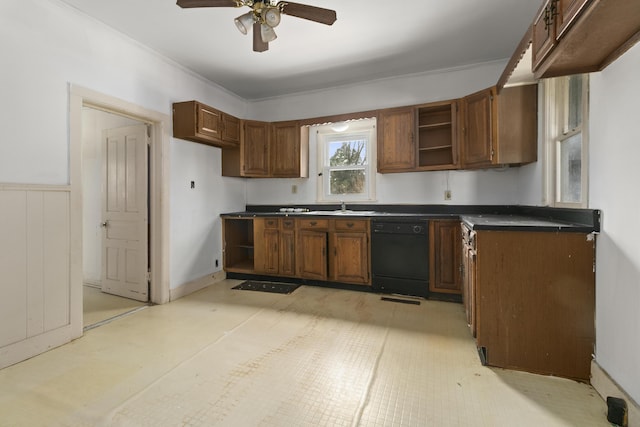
267, 245
274, 246
445, 257
534, 300
349, 262
287, 248
335, 250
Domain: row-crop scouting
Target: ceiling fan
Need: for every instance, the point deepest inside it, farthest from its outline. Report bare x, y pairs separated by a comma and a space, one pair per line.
265, 16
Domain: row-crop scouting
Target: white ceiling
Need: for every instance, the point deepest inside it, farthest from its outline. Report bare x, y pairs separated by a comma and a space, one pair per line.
371, 39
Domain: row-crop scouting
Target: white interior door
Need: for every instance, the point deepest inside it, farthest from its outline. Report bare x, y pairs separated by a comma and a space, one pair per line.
125, 213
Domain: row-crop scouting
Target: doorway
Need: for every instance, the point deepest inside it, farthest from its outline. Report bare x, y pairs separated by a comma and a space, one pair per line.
114, 188
91, 113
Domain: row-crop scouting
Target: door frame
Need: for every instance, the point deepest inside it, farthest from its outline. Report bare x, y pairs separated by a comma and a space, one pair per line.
158, 185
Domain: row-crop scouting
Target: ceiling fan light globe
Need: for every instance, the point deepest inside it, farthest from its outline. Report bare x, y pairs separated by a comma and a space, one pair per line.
244, 22
271, 17
267, 33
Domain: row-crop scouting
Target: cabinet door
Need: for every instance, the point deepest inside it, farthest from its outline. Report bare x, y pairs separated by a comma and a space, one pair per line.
350, 257
477, 146
396, 144
254, 148
285, 149
543, 36
567, 11
287, 248
266, 242
312, 259
208, 121
446, 254
469, 287
230, 129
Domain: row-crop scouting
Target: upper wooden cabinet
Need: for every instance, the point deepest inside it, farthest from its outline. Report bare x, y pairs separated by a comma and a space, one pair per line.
396, 147
582, 36
437, 142
254, 148
499, 129
198, 122
285, 159
267, 150
418, 138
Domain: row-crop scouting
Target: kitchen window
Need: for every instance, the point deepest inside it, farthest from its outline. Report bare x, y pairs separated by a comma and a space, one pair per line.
346, 161
567, 141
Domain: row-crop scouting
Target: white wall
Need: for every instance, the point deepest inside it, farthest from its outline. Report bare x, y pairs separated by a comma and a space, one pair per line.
614, 154
467, 187
45, 46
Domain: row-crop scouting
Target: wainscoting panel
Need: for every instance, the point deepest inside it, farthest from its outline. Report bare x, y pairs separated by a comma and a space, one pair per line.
34, 270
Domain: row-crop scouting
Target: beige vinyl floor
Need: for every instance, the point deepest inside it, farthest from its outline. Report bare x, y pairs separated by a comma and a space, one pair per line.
98, 307
316, 357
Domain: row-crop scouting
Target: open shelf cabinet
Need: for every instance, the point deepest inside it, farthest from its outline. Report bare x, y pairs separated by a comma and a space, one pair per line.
238, 245
437, 143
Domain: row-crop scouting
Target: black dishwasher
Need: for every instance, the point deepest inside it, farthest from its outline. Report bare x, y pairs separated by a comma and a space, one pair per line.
400, 257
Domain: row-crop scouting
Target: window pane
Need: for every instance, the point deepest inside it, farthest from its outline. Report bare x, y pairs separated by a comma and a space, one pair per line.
570, 170
574, 98
347, 181
348, 153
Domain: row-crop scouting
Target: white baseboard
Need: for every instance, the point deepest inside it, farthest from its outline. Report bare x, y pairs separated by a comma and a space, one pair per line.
196, 285
605, 386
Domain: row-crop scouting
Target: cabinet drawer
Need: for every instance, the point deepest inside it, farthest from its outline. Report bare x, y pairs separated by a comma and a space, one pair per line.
271, 223
313, 224
288, 224
351, 225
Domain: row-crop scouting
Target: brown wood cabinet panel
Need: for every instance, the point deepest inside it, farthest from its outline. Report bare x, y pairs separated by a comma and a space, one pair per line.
477, 144
350, 257
350, 225
396, 145
285, 149
267, 245
445, 257
586, 35
535, 300
500, 129
287, 252
230, 129
469, 277
197, 122
312, 250
254, 149
543, 35
313, 224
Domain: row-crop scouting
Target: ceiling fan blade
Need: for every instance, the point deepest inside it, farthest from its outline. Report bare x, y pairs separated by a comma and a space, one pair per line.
207, 3
258, 44
312, 13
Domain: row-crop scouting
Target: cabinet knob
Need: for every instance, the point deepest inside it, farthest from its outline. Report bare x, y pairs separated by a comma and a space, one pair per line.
313, 223
350, 224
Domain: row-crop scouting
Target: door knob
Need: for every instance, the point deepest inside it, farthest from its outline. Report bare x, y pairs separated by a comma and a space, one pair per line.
104, 224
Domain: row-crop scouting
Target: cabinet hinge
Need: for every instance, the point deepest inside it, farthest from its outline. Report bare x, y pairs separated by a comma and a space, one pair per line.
148, 275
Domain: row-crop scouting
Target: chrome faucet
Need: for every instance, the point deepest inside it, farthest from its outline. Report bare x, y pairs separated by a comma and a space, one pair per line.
343, 206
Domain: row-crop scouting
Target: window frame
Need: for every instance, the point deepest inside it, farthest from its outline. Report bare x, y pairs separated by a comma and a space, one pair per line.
327, 133
556, 131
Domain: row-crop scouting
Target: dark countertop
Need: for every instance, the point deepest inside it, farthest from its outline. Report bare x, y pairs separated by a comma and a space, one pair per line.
476, 217
520, 223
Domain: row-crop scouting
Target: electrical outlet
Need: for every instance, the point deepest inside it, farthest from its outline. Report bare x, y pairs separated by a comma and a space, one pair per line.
294, 189
447, 194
